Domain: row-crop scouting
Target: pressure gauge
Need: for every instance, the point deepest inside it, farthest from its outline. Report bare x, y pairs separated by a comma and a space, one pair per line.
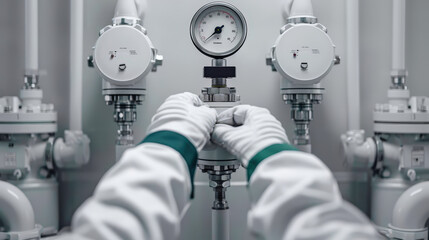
218, 29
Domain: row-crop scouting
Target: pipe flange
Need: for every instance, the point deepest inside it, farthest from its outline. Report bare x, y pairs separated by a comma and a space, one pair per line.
379, 155
408, 234
302, 19
49, 153
31, 81
215, 94
298, 98
126, 21
219, 169
32, 234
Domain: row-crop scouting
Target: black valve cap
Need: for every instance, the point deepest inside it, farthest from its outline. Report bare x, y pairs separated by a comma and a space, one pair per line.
219, 72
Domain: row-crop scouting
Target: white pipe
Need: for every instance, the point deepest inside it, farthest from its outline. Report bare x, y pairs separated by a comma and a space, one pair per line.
126, 8
362, 154
37, 152
359, 153
31, 37
398, 35
301, 8
297, 8
73, 151
76, 64
411, 211
141, 7
392, 153
16, 212
353, 77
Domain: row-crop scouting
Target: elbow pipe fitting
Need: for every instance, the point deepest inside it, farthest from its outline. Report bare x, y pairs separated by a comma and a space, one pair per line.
298, 9
359, 153
411, 211
386, 153
16, 212
371, 153
73, 151
130, 9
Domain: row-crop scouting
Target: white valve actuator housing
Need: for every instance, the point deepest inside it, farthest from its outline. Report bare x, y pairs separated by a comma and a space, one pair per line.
304, 53
124, 54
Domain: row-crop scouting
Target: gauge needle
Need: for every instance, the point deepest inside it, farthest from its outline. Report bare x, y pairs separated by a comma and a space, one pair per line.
217, 30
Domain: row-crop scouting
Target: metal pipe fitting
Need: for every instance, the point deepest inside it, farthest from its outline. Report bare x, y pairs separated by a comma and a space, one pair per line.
399, 78
411, 211
17, 214
218, 62
220, 224
219, 82
31, 81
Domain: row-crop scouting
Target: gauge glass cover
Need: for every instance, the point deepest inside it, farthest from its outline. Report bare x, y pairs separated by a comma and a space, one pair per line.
218, 29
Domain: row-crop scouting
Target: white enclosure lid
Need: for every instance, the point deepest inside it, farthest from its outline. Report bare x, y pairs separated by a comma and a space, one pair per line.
123, 55
303, 53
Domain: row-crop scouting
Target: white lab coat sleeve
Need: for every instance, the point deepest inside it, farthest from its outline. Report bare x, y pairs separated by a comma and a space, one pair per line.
294, 196
144, 196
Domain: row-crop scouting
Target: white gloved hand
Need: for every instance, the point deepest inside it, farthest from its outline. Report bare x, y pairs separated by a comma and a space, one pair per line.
187, 115
246, 130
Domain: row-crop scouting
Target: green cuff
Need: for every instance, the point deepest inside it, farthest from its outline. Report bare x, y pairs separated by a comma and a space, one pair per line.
179, 143
266, 153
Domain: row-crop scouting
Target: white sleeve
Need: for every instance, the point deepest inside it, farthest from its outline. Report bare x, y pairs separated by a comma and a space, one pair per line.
144, 196
294, 196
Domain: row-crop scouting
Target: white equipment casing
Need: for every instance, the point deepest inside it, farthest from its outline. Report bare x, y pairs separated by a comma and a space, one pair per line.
123, 55
385, 192
43, 196
27, 115
402, 115
27, 130
303, 53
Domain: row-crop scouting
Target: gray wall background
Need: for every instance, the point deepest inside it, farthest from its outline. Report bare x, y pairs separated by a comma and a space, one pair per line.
167, 23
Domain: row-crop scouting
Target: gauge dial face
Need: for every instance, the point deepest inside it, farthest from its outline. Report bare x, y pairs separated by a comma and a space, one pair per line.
218, 29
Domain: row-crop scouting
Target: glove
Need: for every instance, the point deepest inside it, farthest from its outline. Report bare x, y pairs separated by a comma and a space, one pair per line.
246, 130
187, 115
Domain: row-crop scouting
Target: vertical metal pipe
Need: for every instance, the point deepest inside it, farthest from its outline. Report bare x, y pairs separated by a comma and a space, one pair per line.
31, 37
16, 211
398, 35
220, 224
126, 8
76, 64
301, 8
353, 77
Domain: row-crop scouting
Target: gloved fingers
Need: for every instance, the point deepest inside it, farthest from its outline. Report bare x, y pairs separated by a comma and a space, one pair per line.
230, 138
242, 114
186, 98
208, 115
205, 116
231, 117
169, 111
180, 104
278, 134
220, 133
